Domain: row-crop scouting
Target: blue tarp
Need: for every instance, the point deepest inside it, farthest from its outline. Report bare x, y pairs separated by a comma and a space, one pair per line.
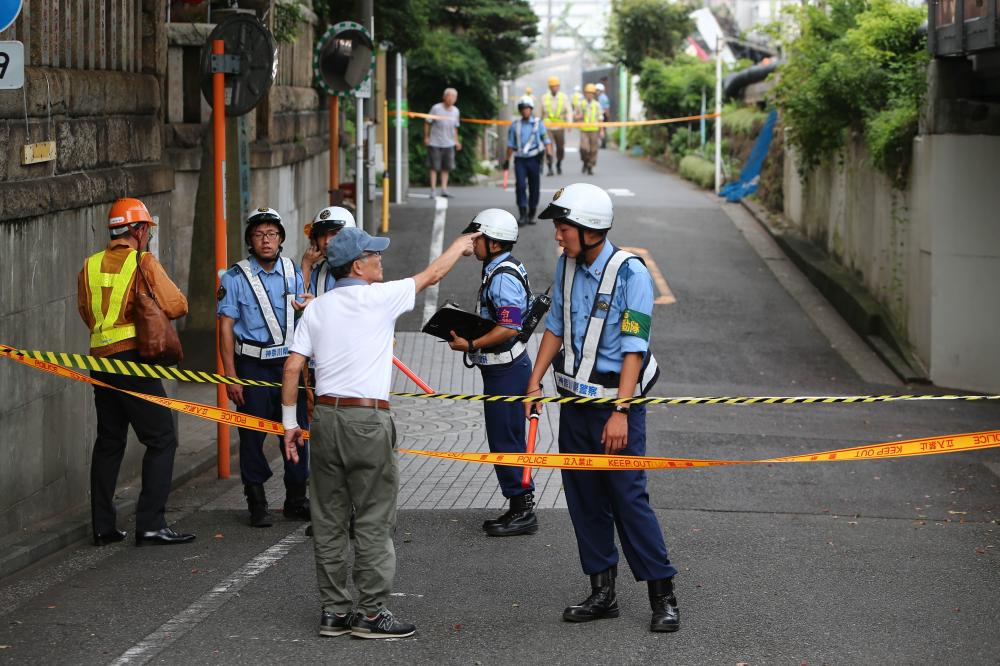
750, 176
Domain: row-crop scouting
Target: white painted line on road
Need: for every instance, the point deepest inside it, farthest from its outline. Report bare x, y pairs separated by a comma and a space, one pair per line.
208, 603
418, 195
620, 192
437, 244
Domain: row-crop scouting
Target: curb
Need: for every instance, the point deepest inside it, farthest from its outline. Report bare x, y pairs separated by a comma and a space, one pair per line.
847, 296
68, 529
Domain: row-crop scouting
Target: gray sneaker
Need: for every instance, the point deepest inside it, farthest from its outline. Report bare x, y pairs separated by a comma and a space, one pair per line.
383, 625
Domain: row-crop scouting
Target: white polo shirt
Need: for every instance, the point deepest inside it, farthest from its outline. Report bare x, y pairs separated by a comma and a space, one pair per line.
348, 332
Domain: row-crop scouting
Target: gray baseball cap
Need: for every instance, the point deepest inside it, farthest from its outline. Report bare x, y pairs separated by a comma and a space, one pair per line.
350, 244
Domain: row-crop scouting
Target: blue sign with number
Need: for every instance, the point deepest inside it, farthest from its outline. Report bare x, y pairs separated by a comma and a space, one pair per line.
9, 9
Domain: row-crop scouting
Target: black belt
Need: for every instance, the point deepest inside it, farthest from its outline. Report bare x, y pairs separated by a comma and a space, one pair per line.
352, 402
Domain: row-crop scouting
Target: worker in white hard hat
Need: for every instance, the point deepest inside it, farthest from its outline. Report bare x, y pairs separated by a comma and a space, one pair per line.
597, 341
527, 142
316, 272
502, 359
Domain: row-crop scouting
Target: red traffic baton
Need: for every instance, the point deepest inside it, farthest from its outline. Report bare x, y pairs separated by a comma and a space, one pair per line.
532, 436
409, 373
506, 172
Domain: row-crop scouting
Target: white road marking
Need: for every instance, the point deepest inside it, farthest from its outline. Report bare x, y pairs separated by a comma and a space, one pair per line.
620, 192
208, 603
437, 244
418, 195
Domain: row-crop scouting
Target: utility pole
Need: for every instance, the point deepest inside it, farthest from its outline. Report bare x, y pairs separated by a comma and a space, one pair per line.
366, 189
548, 32
718, 113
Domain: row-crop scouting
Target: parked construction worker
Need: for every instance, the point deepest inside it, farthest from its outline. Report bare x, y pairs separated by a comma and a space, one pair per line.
353, 438
597, 341
106, 289
590, 114
257, 303
527, 141
316, 273
503, 360
556, 109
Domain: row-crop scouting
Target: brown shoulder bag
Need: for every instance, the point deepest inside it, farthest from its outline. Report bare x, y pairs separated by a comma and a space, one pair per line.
156, 337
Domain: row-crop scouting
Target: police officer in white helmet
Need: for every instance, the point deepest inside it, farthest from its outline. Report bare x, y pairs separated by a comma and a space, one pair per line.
503, 360
316, 272
597, 341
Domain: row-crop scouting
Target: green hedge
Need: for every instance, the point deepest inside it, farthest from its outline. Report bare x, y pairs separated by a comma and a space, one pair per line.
698, 170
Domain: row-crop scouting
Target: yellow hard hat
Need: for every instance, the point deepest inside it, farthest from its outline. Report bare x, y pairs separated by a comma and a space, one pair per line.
553, 80
527, 91
590, 88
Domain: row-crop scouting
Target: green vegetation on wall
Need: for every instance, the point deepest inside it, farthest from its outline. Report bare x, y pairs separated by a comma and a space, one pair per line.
858, 65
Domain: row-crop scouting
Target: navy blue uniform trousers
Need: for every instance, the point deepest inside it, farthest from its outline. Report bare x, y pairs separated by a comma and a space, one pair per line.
600, 501
265, 402
527, 171
505, 420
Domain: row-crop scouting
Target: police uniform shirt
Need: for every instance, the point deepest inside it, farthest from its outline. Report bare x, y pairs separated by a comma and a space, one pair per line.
238, 301
527, 131
507, 295
314, 278
629, 314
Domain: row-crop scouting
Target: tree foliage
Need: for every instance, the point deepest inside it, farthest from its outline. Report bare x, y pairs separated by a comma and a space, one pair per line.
673, 89
502, 30
403, 23
641, 29
860, 65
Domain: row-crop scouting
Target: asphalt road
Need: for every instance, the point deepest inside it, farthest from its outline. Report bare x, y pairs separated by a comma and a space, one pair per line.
841, 563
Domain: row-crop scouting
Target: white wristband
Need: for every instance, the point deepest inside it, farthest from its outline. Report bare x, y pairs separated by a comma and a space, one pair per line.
289, 417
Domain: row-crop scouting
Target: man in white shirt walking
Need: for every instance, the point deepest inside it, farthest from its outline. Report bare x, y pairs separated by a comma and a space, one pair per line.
441, 139
353, 438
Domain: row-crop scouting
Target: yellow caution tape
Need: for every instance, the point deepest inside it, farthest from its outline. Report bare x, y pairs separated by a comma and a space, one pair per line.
913, 447
560, 125
129, 368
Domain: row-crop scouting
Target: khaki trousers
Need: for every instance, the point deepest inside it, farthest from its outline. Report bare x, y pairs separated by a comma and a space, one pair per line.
353, 451
590, 143
558, 137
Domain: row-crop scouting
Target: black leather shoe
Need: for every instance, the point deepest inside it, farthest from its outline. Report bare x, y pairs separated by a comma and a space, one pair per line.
531, 216
666, 617
109, 538
296, 503
332, 624
164, 537
521, 518
257, 504
559, 168
522, 218
602, 602
502, 518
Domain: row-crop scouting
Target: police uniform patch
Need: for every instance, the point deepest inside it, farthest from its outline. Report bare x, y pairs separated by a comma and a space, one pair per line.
262, 210
603, 306
636, 323
558, 193
324, 215
221, 293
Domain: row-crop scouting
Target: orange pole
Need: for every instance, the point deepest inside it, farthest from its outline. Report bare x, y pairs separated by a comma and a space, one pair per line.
532, 436
334, 148
412, 375
219, 146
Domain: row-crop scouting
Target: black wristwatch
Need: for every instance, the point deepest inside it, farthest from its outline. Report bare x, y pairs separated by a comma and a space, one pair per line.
622, 409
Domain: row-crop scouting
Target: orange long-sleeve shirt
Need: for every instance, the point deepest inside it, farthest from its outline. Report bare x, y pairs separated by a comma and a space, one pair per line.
167, 295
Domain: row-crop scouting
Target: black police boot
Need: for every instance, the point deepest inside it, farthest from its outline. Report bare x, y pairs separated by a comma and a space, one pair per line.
257, 503
296, 503
550, 169
559, 167
523, 218
601, 603
521, 518
502, 518
531, 216
666, 617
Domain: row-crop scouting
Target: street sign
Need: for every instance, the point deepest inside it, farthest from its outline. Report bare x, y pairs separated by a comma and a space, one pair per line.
9, 9
11, 65
250, 62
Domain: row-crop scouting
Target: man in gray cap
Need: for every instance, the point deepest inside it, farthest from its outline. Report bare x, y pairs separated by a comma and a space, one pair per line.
353, 438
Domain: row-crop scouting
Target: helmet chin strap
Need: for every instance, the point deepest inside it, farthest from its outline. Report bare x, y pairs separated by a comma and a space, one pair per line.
588, 247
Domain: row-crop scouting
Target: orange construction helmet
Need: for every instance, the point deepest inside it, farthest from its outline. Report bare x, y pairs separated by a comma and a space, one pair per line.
126, 212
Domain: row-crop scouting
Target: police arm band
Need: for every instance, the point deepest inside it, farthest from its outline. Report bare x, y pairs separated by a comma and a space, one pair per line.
289, 417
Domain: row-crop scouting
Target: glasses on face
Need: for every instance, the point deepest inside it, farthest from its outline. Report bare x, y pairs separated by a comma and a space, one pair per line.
261, 235
371, 253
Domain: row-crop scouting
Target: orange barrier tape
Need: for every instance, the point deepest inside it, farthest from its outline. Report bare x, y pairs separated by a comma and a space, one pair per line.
610, 123
912, 447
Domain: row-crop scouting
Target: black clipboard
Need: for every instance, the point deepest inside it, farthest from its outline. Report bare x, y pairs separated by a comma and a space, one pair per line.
452, 318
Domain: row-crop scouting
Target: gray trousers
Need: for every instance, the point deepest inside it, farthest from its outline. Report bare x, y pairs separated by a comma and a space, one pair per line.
353, 463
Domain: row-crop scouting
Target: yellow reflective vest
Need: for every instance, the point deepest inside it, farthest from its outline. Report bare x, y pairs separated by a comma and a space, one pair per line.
105, 331
554, 113
592, 114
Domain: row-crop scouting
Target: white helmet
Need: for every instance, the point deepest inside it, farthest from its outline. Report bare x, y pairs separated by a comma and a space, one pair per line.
600, 87
495, 224
583, 205
525, 101
333, 216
